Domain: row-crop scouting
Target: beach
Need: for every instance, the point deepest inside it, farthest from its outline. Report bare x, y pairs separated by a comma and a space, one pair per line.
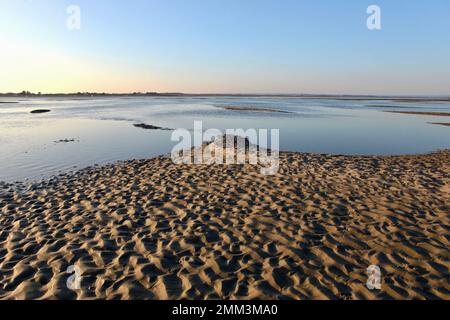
152, 229
218, 158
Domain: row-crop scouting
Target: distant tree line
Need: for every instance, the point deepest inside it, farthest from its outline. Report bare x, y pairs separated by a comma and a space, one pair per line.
26, 93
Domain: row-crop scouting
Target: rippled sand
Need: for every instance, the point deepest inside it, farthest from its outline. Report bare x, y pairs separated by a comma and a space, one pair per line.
150, 229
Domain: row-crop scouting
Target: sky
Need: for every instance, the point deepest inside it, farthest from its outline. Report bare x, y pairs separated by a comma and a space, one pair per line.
226, 46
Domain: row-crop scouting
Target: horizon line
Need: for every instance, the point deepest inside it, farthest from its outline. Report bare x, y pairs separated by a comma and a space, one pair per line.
175, 93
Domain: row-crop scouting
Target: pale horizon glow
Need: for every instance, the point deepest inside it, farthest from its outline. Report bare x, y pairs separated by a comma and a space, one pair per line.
259, 47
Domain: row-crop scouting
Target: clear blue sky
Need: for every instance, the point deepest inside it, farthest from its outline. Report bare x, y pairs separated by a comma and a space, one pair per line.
289, 46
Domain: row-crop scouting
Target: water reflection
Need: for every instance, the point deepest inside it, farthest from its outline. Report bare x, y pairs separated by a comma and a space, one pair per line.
102, 128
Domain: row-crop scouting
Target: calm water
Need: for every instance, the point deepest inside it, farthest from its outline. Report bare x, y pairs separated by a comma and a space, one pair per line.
102, 128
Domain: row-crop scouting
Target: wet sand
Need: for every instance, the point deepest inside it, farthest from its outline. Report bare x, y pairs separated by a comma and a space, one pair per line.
151, 229
423, 100
422, 113
389, 107
254, 109
441, 123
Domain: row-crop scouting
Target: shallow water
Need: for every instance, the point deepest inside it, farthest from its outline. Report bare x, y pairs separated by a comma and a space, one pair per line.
102, 128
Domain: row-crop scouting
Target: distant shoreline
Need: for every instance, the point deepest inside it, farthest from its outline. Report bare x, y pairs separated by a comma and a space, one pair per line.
178, 94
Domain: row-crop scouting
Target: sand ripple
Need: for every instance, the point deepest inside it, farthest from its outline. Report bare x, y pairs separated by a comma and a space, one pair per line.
151, 229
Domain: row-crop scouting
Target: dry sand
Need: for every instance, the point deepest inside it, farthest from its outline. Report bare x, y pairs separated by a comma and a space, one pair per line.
150, 229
